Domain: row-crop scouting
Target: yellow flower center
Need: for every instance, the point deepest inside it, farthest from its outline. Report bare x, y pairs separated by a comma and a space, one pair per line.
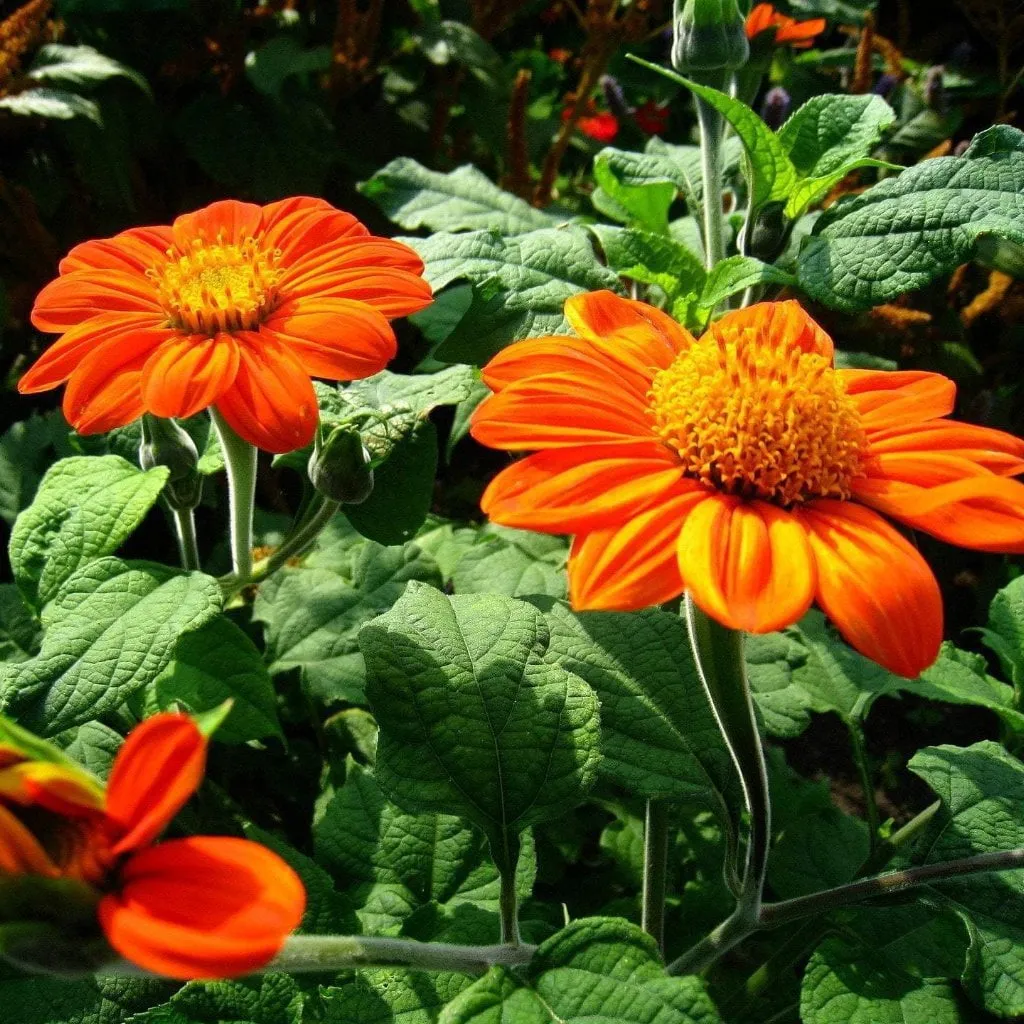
219, 287
760, 421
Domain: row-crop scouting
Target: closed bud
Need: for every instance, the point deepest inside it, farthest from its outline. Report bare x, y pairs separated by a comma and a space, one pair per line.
769, 234
339, 467
775, 108
710, 35
934, 88
615, 98
165, 443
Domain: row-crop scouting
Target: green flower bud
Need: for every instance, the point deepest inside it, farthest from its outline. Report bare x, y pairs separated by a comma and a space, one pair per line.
339, 467
164, 443
709, 36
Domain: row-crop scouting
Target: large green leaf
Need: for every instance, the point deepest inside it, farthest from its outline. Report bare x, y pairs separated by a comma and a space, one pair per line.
595, 971
85, 508
314, 613
520, 284
462, 200
111, 629
392, 997
982, 791
474, 720
907, 230
515, 563
896, 965
641, 188
270, 999
390, 863
1005, 632
40, 1000
79, 65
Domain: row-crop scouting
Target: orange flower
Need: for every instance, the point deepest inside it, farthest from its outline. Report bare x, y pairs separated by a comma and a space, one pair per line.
744, 468
799, 34
234, 306
201, 907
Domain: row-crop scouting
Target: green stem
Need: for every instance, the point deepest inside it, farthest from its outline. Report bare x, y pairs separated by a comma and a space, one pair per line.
731, 932
240, 461
655, 870
508, 905
867, 782
710, 122
185, 531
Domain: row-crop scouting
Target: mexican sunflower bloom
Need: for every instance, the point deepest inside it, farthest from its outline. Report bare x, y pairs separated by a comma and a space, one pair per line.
234, 306
201, 907
744, 468
799, 34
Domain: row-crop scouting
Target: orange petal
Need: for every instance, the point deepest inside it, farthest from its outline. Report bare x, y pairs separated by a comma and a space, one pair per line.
638, 336
105, 389
83, 294
993, 450
136, 251
747, 564
983, 512
365, 253
537, 357
559, 410
759, 19
60, 360
155, 772
204, 907
874, 585
634, 566
188, 374
55, 787
271, 403
577, 490
337, 339
888, 397
20, 851
393, 292
227, 221
786, 325
299, 225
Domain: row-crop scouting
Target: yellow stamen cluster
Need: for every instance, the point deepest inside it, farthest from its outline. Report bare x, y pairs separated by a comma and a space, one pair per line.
758, 420
219, 287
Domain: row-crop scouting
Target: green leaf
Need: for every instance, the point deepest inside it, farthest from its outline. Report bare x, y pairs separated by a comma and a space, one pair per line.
520, 284
473, 719
735, 274
212, 664
1005, 632
595, 970
446, 42
515, 563
313, 614
420, 393
641, 186
26, 451
270, 999
783, 704
56, 104
390, 863
94, 747
462, 200
85, 508
392, 997
20, 633
658, 735
893, 966
982, 790
79, 65
41, 1000
281, 58
111, 629
907, 230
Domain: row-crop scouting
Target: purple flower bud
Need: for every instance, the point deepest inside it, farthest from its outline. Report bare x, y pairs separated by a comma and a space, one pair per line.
885, 85
934, 93
614, 97
775, 108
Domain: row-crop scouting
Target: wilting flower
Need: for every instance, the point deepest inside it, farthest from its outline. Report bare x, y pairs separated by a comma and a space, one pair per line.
744, 468
799, 34
201, 907
234, 306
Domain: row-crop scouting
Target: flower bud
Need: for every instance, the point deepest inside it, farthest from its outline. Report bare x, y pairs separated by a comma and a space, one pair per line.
775, 108
709, 36
615, 98
934, 88
165, 443
339, 467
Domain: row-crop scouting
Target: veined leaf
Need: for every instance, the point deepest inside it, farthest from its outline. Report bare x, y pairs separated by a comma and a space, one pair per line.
79, 65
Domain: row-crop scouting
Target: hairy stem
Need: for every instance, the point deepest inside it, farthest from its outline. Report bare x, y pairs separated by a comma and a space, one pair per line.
509, 907
240, 460
655, 870
867, 782
710, 123
185, 531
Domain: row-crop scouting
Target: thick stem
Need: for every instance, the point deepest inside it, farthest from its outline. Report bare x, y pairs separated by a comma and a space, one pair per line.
240, 460
710, 122
867, 782
185, 531
509, 908
715, 944
655, 870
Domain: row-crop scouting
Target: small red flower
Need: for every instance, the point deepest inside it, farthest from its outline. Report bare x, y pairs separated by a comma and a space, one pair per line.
201, 907
652, 117
599, 125
799, 34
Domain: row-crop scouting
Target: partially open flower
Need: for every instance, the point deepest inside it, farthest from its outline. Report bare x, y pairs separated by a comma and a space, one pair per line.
201, 907
798, 34
744, 468
234, 306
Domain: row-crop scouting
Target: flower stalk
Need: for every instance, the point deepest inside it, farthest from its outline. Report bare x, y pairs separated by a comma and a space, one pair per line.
240, 461
656, 834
